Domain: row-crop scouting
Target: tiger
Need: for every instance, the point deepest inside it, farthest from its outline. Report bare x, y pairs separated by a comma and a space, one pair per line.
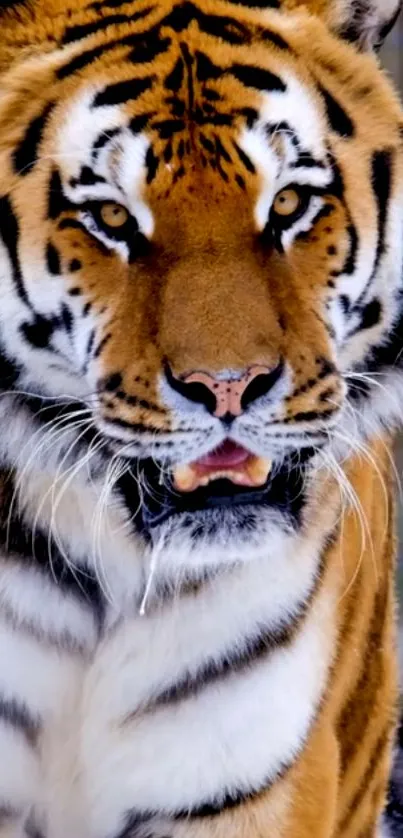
201, 377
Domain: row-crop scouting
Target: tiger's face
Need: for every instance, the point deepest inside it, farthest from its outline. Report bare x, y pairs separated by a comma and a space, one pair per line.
201, 239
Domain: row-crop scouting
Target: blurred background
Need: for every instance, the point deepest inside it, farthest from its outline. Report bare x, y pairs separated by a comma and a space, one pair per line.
392, 59
392, 53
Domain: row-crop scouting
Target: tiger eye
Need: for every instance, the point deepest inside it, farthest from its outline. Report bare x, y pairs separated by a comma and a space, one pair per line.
287, 202
114, 215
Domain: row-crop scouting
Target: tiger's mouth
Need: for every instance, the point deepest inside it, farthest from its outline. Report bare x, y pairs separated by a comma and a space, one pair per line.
230, 477
229, 462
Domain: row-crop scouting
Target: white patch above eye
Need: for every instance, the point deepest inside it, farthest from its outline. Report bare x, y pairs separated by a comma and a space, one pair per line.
296, 107
317, 178
255, 144
81, 128
130, 174
124, 174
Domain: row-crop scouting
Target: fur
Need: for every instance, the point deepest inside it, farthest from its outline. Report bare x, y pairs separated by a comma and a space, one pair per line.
170, 670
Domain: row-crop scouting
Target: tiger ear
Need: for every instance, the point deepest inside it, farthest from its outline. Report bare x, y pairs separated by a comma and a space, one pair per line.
363, 22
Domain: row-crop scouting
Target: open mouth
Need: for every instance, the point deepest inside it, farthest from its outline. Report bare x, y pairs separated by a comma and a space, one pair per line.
231, 476
228, 462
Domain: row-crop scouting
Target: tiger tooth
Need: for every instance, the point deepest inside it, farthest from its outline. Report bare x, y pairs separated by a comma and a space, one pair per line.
216, 475
259, 469
185, 478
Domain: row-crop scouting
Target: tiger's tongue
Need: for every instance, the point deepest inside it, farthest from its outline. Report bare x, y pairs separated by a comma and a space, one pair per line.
228, 455
229, 461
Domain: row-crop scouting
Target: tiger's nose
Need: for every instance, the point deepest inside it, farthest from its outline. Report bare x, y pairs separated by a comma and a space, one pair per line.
227, 397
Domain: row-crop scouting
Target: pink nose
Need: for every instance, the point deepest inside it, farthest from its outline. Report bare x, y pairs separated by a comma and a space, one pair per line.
226, 397
228, 393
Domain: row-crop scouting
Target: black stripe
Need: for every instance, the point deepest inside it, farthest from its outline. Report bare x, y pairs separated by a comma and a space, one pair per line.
52, 259
237, 661
257, 77
219, 26
102, 344
136, 401
174, 79
9, 370
223, 27
26, 152
268, 36
103, 140
306, 161
148, 48
90, 346
337, 117
148, 44
57, 201
247, 162
136, 820
389, 353
235, 798
87, 177
134, 823
75, 33
151, 39
371, 315
9, 232
388, 26
83, 60
72, 224
356, 715
383, 741
233, 663
123, 91
168, 127
250, 115
99, 5
74, 265
15, 714
139, 123
39, 332
37, 549
206, 70
63, 641
381, 177
67, 318
307, 416
136, 427
351, 261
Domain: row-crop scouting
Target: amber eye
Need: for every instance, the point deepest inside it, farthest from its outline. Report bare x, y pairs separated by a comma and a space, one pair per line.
287, 202
113, 215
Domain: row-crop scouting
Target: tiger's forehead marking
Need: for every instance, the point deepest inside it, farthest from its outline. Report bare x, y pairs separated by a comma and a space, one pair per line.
120, 154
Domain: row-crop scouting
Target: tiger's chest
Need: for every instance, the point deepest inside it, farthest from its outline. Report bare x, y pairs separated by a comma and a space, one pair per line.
192, 708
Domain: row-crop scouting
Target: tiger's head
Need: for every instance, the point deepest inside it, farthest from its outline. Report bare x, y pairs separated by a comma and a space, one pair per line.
201, 239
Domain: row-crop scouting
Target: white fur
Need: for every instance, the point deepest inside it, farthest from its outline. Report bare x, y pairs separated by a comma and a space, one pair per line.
234, 735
